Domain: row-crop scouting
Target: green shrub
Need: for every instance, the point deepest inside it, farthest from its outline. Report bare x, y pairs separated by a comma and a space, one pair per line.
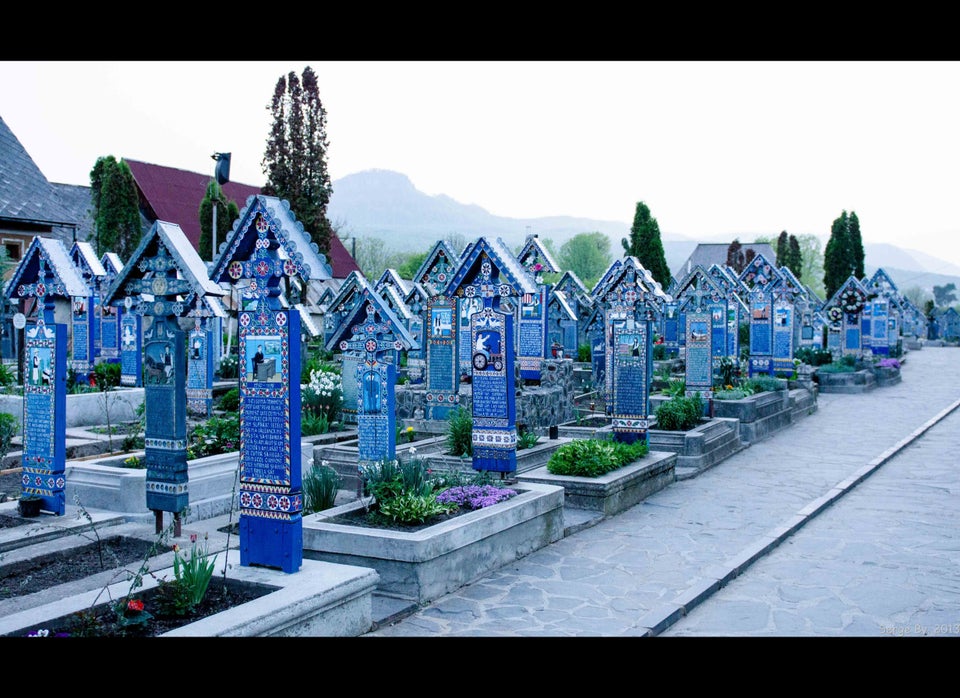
675, 387
216, 435
659, 352
404, 491
107, 376
460, 432
228, 367
594, 457
409, 508
9, 425
8, 376
583, 353
760, 384
813, 356
680, 413
230, 401
526, 439
313, 424
320, 487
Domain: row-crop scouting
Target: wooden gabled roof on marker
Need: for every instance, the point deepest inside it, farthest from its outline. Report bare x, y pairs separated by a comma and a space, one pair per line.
283, 227
371, 296
185, 258
67, 279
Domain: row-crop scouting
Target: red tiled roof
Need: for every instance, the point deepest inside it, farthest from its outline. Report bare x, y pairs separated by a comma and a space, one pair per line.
174, 195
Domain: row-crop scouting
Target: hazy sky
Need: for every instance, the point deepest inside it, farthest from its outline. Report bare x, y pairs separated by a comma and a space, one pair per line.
717, 150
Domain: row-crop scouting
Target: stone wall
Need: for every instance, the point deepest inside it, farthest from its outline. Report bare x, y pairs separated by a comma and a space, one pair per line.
538, 406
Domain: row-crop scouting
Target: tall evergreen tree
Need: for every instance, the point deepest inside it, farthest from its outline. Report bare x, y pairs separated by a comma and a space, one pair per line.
116, 208
295, 160
735, 256
645, 244
794, 257
783, 249
837, 261
227, 213
856, 253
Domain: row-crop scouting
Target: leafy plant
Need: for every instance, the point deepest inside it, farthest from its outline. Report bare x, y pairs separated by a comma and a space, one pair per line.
216, 435
659, 352
813, 356
9, 426
408, 508
320, 486
583, 353
229, 401
594, 457
229, 366
406, 433
403, 491
133, 439
680, 413
760, 384
322, 395
312, 424
460, 432
191, 578
527, 439
8, 376
676, 387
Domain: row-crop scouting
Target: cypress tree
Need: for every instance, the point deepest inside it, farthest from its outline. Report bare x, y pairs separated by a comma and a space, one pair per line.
795, 257
645, 244
837, 266
783, 249
855, 243
227, 213
117, 224
295, 159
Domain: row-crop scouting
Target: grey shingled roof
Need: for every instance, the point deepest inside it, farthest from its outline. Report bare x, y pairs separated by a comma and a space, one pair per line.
25, 194
706, 254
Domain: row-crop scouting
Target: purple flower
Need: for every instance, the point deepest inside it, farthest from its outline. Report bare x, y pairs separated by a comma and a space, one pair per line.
889, 363
475, 496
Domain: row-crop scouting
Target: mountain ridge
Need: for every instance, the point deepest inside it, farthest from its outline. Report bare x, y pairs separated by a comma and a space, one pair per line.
385, 204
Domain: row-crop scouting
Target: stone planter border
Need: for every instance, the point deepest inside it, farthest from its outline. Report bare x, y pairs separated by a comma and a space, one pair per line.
426, 564
320, 599
615, 491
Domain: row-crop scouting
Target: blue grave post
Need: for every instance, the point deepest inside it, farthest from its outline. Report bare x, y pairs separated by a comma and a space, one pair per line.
698, 357
375, 375
783, 335
494, 438
131, 349
200, 368
628, 355
271, 499
81, 357
159, 284
761, 332
442, 375
44, 398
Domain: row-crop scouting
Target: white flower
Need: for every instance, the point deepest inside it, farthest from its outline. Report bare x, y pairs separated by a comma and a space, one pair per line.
413, 450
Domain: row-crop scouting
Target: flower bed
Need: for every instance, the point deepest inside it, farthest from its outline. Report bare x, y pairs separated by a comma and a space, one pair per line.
319, 600
425, 564
615, 491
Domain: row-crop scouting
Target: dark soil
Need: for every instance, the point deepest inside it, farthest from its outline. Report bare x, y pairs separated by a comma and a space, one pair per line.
101, 621
72, 564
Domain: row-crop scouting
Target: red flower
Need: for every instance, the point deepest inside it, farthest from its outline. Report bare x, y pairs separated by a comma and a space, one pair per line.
135, 605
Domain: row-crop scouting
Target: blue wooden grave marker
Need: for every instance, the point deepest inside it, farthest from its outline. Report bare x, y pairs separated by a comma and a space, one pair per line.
443, 376
110, 315
490, 277
494, 437
131, 348
268, 245
160, 283
45, 274
698, 353
372, 334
